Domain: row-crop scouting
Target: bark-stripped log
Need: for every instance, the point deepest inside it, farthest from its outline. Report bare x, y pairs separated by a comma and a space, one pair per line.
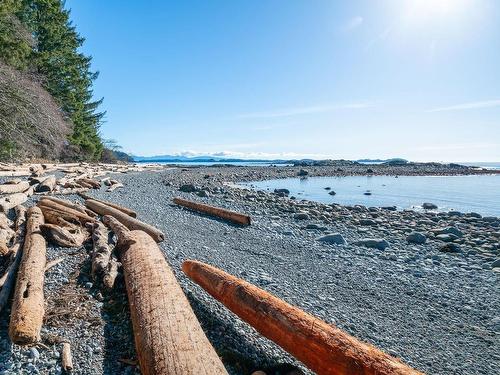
94, 183
113, 187
69, 204
8, 280
28, 304
126, 210
130, 222
66, 358
14, 188
168, 337
52, 205
47, 185
323, 348
11, 201
222, 213
6, 234
111, 273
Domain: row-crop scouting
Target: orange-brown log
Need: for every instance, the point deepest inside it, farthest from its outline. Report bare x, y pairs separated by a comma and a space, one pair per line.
94, 183
323, 348
235, 217
126, 210
130, 222
168, 337
28, 304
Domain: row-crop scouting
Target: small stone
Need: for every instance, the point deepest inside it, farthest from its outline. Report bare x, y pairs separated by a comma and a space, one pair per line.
416, 237
188, 188
375, 243
302, 172
332, 193
450, 248
301, 216
333, 238
34, 354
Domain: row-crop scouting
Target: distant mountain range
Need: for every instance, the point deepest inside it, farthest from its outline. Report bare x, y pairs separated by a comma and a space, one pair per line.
215, 159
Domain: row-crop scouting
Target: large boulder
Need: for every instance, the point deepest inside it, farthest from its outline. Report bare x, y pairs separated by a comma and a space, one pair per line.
374, 243
333, 238
416, 238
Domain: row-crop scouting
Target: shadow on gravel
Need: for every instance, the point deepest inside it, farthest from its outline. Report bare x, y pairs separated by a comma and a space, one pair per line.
239, 355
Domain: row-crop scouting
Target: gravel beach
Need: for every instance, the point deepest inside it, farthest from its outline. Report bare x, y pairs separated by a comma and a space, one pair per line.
422, 286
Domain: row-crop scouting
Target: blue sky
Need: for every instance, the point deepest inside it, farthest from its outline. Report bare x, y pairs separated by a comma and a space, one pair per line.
418, 79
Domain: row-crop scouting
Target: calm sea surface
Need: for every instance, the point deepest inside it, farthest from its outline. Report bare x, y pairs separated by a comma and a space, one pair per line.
460, 193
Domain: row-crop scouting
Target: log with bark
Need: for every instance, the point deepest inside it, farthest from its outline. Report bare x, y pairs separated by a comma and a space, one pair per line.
14, 188
28, 302
222, 213
9, 278
11, 201
101, 253
323, 348
168, 337
130, 222
126, 210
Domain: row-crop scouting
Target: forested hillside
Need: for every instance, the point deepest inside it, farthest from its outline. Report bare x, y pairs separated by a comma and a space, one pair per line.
46, 105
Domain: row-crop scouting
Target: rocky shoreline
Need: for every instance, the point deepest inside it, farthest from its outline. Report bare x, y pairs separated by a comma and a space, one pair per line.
422, 286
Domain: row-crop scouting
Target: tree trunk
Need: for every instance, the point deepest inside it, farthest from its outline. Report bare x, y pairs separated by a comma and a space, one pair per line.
130, 222
235, 217
168, 337
69, 204
323, 348
125, 210
28, 303
52, 205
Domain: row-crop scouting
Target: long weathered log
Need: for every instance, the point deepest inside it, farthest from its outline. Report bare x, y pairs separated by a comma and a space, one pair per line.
126, 210
82, 217
14, 188
71, 205
168, 337
28, 304
11, 201
94, 183
9, 278
47, 185
130, 222
323, 348
235, 217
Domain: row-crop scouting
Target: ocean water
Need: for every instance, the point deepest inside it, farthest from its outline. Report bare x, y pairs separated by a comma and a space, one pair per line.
209, 163
479, 194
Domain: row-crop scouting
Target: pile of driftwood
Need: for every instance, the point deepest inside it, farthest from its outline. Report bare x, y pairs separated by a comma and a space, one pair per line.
168, 337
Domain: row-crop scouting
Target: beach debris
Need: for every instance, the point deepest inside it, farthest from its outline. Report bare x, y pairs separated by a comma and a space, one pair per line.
53, 263
130, 222
104, 265
47, 185
28, 302
69, 235
222, 213
54, 211
168, 336
322, 347
10, 188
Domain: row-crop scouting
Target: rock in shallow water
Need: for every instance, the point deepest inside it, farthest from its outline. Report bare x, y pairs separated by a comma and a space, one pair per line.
429, 206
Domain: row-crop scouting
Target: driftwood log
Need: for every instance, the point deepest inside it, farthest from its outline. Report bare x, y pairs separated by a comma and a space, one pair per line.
168, 337
222, 213
125, 210
101, 255
69, 204
69, 235
9, 278
323, 348
28, 303
14, 188
11, 201
6, 234
63, 211
47, 185
130, 222
66, 358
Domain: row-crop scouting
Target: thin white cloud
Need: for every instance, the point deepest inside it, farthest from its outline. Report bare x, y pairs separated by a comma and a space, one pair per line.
353, 23
253, 155
470, 105
289, 112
